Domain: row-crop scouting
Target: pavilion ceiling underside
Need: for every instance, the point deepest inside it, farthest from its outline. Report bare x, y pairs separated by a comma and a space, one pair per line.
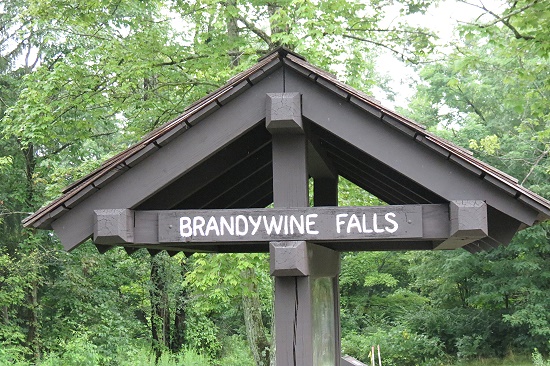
240, 176
372, 175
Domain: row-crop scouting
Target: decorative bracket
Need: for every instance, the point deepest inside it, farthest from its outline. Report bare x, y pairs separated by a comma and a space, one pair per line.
284, 113
114, 226
468, 223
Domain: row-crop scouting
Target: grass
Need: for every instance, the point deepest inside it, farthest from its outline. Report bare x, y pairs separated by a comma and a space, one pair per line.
509, 361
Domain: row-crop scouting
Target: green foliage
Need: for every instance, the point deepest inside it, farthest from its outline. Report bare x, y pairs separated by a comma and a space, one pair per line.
491, 95
12, 355
538, 359
77, 351
202, 335
505, 290
510, 360
218, 279
398, 347
82, 352
82, 81
465, 332
235, 352
374, 290
350, 195
100, 297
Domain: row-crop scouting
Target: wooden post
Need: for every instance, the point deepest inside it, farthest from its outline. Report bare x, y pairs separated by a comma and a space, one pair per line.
305, 310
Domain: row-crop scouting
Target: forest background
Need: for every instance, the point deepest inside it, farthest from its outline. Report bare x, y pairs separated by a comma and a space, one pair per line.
82, 80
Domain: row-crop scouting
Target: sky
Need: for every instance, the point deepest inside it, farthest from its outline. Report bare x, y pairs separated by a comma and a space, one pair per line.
442, 19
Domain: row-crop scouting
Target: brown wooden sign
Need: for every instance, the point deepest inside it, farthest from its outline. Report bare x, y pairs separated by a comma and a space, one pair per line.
309, 224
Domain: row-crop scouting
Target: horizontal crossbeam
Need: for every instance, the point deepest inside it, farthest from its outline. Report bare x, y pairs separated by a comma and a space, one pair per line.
447, 226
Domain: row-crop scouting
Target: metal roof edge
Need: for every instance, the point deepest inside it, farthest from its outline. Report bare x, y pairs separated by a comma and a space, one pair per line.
372, 106
42, 216
111, 168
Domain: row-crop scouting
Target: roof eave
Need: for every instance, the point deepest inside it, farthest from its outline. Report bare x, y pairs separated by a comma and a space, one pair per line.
115, 166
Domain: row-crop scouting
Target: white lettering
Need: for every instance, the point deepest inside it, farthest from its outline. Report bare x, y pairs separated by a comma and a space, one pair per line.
185, 226
198, 223
238, 231
298, 224
212, 226
375, 224
273, 225
339, 222
230, 226
310, 223
395, 226
353, 223
365, 230
255, 224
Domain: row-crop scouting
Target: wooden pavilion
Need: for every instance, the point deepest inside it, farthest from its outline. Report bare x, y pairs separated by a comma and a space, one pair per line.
257, 141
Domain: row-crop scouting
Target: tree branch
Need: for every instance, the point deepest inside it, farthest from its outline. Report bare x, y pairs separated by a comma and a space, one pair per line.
509, 15
69, 144
175, 62
503, 19
402, 31
260, 33
539, 159
471, 104
15, 213
396, 52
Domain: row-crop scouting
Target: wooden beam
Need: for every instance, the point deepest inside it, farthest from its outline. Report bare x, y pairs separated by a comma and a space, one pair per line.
319, 164
399, 151
114, 226
170, 162
325, 225
237, 186
297, 266
469, 223
351, 161
319, 224
251, 147
293, 321
284, 113
289, 259
325, 191
290, 178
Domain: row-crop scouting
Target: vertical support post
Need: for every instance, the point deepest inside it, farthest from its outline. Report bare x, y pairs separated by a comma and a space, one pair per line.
305, 331
325, 193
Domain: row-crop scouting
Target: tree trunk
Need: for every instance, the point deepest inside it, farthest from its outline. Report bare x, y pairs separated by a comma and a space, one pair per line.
255, 330
160, 310
178, 339
5, 316
272, 10
232, 36
33, 340
32, 319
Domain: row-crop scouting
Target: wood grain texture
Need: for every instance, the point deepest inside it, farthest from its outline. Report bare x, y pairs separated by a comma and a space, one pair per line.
399, 151
309, 223
171, 161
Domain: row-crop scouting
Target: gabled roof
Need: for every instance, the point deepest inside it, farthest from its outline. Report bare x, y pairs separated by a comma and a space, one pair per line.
228, 159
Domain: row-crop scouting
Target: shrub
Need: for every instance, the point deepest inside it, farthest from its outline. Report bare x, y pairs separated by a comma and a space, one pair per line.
202, 335
399, 347
538, 360
12, 355
235, 352
77, 352
465, 332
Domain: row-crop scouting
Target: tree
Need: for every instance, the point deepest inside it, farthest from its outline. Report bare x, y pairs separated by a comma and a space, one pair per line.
85, 80
491, 95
